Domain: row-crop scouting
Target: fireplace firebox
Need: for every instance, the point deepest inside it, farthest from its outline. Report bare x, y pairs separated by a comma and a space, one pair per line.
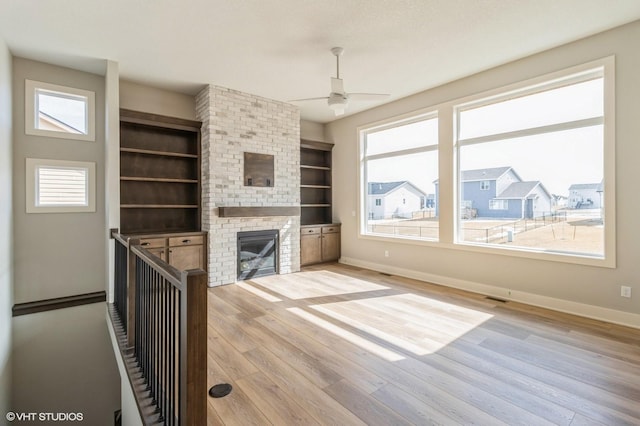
257, 254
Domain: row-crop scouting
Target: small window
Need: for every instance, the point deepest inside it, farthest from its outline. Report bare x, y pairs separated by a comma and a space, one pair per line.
59, 112
378, 202
498, 205
55, 186
485, 185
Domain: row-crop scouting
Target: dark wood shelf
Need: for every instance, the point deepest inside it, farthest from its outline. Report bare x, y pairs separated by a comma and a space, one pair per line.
315, 182
316, 186
159, 206
306, 166
151, 179
159, 173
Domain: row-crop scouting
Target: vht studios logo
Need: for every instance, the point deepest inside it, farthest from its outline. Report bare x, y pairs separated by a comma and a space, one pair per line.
44, 417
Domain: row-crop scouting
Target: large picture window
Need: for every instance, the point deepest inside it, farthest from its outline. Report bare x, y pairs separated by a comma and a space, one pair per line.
399, 169
542, 151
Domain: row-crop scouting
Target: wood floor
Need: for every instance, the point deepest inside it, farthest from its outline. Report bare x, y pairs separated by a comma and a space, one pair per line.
335, 345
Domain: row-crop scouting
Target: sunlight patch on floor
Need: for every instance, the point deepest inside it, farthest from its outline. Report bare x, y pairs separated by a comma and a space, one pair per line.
263, 294
348, 336
303, 285
415, 323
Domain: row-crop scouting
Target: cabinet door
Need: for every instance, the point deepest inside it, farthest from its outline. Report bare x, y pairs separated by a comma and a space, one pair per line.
186, 257
330, 246
310, 249
160, 252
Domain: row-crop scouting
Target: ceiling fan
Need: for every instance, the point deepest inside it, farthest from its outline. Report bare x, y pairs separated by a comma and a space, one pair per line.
338, 99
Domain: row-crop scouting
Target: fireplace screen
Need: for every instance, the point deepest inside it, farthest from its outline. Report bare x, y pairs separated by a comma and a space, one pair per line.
257, 254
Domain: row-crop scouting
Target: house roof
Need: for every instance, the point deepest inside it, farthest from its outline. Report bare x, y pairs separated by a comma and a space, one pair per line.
578, 186
519, 189
484, 174
381, 188
492, 173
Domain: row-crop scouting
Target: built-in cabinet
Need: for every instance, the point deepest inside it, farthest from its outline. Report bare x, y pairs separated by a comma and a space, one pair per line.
183, 251
319, 237
160, 186
319, 243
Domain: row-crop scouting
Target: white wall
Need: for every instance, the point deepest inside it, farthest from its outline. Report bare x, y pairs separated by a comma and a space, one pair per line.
6, 241
140, 97
596, 290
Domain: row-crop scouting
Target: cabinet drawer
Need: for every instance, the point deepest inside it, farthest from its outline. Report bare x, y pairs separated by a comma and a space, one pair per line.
330, 229
309, 231
152, 242
185, 240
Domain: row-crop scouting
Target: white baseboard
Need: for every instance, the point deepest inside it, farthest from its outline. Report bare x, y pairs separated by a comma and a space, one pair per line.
589, 311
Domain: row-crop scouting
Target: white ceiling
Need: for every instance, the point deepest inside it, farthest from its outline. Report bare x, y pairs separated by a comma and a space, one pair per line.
279, 49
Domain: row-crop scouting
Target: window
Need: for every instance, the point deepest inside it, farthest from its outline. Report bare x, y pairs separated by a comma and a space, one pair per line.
400, 164
378, 201
485, 185
535, 143
59, 112
498, 205
55, 186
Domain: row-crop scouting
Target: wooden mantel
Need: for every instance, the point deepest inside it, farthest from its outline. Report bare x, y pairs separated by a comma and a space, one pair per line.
262, 211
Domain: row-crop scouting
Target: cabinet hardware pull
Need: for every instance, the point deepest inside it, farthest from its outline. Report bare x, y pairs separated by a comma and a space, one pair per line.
186, 241
145, 244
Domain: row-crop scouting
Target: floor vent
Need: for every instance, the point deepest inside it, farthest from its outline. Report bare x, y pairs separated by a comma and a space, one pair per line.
496, 299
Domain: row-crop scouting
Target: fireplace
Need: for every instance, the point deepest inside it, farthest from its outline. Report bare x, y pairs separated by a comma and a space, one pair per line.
257, 253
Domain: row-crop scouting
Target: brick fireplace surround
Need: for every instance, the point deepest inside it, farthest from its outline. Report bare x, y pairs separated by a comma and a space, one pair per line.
235, 123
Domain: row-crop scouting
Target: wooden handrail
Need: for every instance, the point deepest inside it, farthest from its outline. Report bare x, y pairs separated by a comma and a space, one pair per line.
165, 336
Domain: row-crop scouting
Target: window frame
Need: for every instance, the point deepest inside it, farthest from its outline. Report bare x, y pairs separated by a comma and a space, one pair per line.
545, 82
450, 180
396, 121
31, 114
32, 166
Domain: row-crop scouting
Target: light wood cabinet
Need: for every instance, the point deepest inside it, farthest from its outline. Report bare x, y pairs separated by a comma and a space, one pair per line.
182, 251
319, 243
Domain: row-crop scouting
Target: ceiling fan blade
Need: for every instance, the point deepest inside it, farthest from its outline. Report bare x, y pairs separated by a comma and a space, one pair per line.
367, 96
309, 99
337, 85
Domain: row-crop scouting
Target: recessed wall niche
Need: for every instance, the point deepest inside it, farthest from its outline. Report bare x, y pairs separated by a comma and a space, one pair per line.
258, 169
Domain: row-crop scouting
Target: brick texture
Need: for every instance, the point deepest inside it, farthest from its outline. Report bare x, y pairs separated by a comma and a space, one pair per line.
234, 123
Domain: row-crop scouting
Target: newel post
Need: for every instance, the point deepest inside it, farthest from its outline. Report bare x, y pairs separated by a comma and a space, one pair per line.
193, 348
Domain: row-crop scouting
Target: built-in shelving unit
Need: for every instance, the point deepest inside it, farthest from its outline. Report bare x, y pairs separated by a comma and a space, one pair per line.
319, 237
159, 173
315, 182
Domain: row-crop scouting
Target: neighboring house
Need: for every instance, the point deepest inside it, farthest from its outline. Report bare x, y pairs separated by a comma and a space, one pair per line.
585, 196
499, 192
394, 199
49, 122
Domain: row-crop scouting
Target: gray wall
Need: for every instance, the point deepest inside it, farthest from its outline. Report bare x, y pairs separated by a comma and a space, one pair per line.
6, 233
311, 130
594, 287
61, 360
140, 97
57, 254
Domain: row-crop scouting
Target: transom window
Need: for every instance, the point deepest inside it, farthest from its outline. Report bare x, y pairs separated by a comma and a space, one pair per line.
59, 111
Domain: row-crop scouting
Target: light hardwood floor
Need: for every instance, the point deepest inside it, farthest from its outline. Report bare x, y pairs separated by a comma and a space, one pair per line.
336, 345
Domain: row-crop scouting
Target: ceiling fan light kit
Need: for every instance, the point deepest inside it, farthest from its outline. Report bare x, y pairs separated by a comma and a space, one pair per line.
338, 99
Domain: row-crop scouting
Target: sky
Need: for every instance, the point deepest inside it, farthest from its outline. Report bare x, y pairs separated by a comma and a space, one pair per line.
558, 159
